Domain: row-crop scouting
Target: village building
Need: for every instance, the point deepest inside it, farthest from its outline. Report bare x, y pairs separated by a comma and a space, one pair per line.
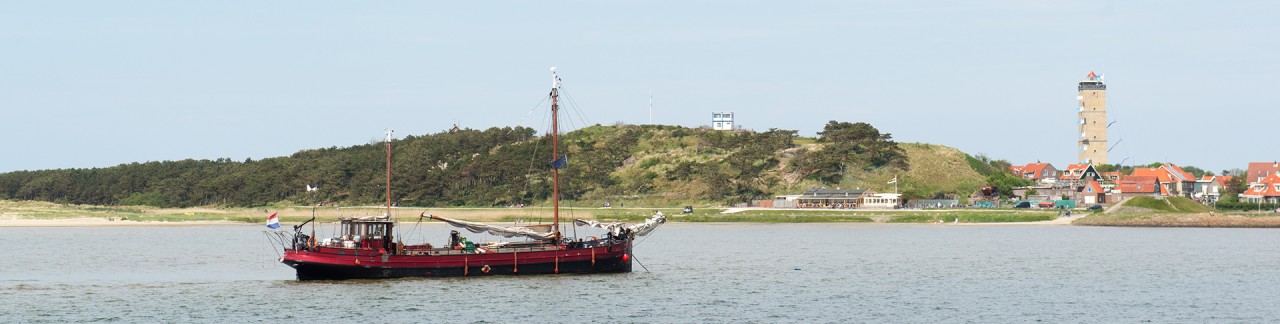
1259, 171
1136, 186
844, 199
1113, 176
1079, 175
1175, 181
1038, 172
1092, 193
831, 198
882, 201
1266, 190
1209, 188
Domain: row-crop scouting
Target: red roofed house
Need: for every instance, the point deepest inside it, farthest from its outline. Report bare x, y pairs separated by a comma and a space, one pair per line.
1079, 173
1173, 179
1267, 190
1259, 171
1133, 186
1093, 193
1113, 176
1038, 172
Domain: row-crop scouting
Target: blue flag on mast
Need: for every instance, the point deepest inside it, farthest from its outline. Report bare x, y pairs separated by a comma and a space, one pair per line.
561, 162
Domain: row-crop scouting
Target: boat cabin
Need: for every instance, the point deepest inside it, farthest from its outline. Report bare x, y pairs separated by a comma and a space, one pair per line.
370, 232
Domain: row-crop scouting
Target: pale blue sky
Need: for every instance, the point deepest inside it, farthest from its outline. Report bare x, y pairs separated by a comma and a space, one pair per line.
99, 83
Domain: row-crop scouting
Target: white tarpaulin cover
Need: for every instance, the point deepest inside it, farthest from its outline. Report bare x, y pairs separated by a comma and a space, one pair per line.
495, 230
641, 229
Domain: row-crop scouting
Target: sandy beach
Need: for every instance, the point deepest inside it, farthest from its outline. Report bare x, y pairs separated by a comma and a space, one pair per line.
102, 222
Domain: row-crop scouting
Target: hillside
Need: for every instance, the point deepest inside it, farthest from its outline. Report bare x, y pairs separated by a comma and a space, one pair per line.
650, 165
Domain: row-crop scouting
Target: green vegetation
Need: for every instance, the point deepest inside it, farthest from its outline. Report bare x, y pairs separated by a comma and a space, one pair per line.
1268, 220
850, 147
997, 174
993, 216
1232, 202
626, 165
1150, 203
1186, 205
1166, 204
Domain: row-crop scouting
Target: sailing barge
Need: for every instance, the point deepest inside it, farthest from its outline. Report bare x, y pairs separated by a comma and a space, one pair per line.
367, 248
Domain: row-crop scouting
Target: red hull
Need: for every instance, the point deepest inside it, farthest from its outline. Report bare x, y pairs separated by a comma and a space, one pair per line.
327, 263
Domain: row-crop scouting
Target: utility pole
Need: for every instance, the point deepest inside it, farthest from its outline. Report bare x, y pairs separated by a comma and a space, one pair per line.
650, 107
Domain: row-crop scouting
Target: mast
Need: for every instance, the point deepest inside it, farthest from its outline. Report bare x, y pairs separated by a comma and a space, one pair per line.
555, 155
389, 172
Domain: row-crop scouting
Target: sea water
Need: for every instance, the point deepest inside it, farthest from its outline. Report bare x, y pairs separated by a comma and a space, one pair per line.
696, 273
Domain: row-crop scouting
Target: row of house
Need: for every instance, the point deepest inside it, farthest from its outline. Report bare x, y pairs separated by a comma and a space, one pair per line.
1082, 182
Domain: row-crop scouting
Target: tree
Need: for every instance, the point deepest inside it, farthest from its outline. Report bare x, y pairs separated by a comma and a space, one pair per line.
849, 146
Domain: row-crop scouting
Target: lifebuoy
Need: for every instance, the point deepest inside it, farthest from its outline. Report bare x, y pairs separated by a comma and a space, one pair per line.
485, 269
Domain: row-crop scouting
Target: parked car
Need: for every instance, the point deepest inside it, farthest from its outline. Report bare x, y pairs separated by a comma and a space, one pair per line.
1025, 204
688, 209
1094, 208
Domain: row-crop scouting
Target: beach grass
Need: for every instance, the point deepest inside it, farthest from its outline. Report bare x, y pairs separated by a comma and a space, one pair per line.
993, 216
1232, 219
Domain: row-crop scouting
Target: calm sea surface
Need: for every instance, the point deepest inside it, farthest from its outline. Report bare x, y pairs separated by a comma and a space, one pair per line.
697, 273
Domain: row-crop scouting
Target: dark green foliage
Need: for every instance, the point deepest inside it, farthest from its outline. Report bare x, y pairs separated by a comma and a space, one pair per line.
483, 167
997, 173
1232, 202
849, 146
1123, 169
497, 166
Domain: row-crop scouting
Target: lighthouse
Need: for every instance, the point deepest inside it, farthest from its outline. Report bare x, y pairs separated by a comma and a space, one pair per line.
1092, 101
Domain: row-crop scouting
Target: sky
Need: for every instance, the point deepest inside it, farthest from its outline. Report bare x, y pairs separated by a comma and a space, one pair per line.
87, 84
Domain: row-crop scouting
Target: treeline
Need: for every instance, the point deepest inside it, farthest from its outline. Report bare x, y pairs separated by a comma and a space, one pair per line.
463, 164
465, 167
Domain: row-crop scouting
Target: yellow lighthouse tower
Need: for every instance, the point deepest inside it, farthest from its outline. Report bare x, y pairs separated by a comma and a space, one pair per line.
1092, 99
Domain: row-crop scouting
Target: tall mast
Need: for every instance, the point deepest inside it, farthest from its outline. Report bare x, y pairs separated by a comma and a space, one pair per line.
555, 154
389, 172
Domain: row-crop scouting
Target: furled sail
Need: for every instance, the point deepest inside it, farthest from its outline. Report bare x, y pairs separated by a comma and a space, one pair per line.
495, 230
649, 225
616, 228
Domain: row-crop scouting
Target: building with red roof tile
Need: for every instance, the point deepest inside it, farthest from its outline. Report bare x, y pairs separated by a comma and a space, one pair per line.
1035, 171
1259, 171
1173, 180
1079, 172
1137, 185
1267, 190
1092, 193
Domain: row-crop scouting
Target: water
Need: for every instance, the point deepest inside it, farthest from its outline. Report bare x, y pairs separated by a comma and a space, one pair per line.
699, 273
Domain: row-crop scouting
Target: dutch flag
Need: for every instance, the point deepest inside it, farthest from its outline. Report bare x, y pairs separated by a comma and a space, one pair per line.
273, 222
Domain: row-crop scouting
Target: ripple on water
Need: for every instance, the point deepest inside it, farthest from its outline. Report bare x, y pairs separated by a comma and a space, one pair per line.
700, 273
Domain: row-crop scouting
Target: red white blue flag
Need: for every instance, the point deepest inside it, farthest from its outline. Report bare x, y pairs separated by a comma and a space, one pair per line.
273, 222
